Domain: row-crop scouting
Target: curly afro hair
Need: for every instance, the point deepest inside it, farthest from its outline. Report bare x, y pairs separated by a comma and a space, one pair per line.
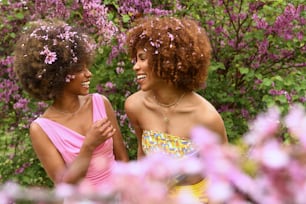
46, 53
179, 49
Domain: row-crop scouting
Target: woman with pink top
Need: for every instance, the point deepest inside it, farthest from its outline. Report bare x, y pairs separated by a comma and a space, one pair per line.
77, 138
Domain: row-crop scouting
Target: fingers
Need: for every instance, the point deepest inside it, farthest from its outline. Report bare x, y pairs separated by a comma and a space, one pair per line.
105, 127
109, 130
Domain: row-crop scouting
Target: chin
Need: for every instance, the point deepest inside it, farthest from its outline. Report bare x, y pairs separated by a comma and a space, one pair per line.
84, 93
144, 88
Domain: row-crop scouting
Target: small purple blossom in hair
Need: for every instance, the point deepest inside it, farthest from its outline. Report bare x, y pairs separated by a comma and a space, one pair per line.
39, 75
67, 35
158, 43
50, 56
69, 78
179, 65
142, 35
170, 36
89, 46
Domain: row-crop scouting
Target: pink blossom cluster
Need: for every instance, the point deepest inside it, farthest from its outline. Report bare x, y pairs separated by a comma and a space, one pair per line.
96, 15
50, 57
134, 7
277, 176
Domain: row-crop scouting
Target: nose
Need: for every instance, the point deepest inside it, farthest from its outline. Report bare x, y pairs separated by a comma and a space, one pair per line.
88, 73
136, 66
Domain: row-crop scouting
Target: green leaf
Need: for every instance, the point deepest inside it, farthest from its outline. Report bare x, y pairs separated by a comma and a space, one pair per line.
19, 15
126, 18
13, 35
267, 82
243, 70
216, 65
278, 78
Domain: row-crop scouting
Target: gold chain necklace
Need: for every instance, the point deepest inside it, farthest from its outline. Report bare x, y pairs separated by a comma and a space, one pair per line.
165, 117
171, 104
65, 112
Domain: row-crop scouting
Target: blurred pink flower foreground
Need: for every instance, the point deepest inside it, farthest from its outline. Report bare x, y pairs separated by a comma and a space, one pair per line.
269, 166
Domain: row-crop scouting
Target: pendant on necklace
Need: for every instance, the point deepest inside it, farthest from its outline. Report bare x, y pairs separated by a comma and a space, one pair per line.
166, 120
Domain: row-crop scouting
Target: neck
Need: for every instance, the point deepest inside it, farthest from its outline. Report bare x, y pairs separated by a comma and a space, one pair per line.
168, 99
67, 105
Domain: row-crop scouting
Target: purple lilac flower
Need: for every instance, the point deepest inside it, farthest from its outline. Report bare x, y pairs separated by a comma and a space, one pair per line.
95, 14
22, 104
260, 23
110, 85
50, 56
119, 70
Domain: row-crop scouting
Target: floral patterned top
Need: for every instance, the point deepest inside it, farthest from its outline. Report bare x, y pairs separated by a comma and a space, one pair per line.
153, 141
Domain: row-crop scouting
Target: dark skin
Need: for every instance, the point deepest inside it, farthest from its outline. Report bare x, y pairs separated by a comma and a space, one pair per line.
145, 113
73, 109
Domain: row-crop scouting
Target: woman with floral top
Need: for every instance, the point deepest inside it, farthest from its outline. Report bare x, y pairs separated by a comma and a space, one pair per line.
171, 58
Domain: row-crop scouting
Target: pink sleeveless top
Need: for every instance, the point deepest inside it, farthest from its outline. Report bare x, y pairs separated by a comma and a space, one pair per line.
69, 142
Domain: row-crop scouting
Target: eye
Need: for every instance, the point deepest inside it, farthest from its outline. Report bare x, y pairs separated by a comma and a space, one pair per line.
81, 69
141, 56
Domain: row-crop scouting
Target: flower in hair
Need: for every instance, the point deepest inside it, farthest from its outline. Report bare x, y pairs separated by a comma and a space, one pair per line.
170, 36
69, 77
50, 56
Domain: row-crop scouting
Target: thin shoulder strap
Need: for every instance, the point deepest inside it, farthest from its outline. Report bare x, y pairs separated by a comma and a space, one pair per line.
99, 111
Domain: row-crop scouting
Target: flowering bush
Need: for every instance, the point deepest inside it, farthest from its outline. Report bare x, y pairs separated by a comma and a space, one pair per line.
257, 46
258, 61
267, 171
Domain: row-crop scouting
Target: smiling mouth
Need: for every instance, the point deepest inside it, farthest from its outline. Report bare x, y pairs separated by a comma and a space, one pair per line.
141, 76
86, 84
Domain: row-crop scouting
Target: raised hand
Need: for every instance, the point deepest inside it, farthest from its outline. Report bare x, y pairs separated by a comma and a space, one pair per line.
99, 132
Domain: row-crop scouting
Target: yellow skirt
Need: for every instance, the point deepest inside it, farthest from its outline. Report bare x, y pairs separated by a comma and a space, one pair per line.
197, 190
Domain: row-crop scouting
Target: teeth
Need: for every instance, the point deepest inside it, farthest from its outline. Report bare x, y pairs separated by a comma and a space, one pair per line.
141, 76
86, 83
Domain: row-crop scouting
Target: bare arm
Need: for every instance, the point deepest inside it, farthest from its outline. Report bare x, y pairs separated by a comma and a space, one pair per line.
52, 160
132, 112
217, 125
119, 147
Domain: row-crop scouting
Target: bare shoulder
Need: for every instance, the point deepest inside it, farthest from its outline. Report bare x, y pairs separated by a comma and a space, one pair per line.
35, 129
210, 118
134, 101
39, 137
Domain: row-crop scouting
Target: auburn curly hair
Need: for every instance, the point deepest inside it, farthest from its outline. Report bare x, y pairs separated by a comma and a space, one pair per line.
46, 53
179, 49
